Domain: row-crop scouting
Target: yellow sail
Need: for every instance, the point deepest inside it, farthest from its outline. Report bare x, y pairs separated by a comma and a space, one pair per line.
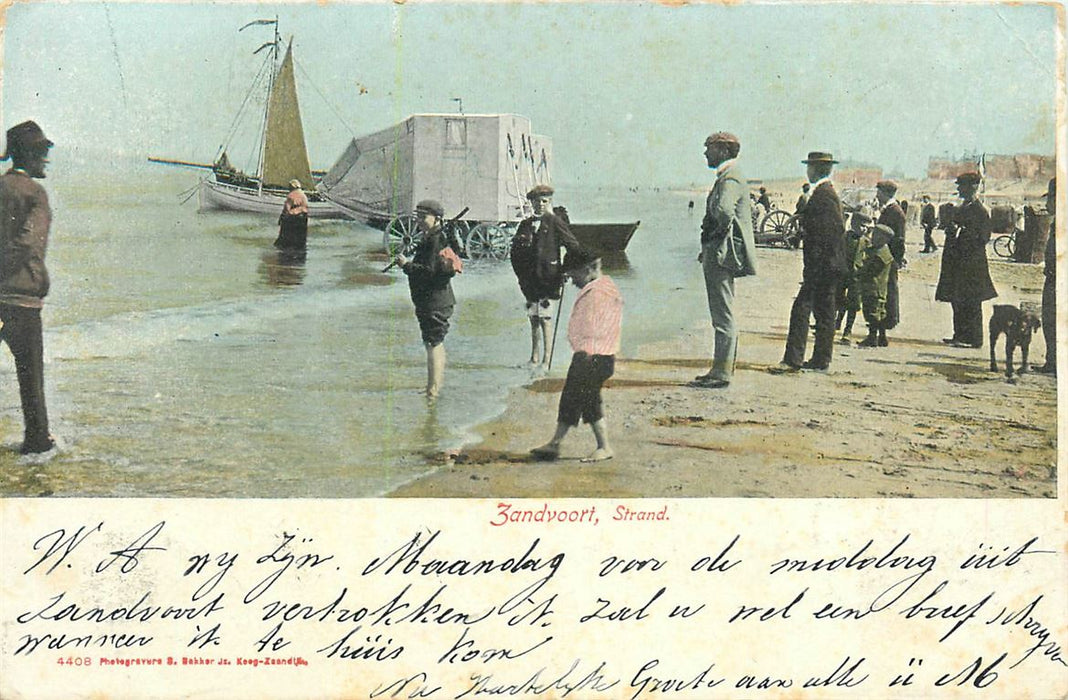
285, 155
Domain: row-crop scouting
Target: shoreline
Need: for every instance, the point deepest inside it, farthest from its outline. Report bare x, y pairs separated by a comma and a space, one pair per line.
915, 419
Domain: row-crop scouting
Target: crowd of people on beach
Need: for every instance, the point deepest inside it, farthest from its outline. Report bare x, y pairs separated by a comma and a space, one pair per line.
845, 271
848, 270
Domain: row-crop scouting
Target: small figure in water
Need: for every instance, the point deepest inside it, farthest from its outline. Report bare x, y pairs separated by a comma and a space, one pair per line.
293, 221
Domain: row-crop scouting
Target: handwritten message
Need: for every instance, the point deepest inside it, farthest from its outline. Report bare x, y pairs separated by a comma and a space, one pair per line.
526, 600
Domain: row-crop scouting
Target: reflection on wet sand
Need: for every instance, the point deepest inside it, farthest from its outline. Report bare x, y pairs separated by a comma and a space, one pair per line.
283, 268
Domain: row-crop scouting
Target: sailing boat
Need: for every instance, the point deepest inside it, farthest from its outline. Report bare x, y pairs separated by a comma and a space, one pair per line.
282, 151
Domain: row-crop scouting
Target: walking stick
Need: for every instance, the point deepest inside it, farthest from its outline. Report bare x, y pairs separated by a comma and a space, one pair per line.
556, 326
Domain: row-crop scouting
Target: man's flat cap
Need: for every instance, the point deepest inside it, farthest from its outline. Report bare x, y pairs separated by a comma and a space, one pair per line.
888, 186
722, 137
540, 191
430, 206
969, 179
819, 157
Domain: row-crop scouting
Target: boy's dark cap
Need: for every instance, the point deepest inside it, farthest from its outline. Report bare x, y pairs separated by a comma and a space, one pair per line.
578, 258
430, 206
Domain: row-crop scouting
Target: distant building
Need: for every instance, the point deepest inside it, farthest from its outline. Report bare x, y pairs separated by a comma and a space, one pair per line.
857, 175
1024, 166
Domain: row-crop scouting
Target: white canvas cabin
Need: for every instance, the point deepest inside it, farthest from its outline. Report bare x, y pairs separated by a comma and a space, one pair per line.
485, 162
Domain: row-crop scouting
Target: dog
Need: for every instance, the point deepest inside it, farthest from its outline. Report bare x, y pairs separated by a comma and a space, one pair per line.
1017, 324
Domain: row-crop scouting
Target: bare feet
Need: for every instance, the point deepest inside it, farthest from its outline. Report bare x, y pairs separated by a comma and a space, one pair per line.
547, 452
598, 455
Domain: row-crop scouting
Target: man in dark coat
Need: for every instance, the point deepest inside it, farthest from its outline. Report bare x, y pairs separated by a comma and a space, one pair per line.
535, 257
893, 216
430, 271
25, 218
1049, 288
928, 219
824, 265
964, 279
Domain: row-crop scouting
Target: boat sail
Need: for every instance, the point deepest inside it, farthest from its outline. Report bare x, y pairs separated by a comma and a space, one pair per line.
282, 151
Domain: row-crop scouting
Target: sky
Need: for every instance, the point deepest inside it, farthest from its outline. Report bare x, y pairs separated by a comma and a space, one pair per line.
627, 92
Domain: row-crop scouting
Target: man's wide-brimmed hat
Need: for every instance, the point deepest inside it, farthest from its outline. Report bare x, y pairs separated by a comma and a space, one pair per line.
969, 179
540, 191
23, 135
578, 258
819, 157
888, 186
430, 206
722, 137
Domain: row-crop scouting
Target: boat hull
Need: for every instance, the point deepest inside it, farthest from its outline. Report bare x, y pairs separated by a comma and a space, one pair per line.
605, 238
215, 195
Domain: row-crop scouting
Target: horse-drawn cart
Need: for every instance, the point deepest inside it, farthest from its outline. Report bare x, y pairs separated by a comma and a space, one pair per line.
482, 164
777, 227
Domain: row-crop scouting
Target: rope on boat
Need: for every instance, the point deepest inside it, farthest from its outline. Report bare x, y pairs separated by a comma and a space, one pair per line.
188, 194
241, 109
329, 104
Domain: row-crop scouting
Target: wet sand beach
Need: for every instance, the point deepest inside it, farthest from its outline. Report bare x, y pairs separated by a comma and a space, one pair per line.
917, 419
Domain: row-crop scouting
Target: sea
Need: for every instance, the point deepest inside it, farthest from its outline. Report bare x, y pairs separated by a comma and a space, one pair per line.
185, 357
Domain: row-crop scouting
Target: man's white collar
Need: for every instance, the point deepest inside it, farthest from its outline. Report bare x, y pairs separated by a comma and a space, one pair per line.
819, 182
726, 165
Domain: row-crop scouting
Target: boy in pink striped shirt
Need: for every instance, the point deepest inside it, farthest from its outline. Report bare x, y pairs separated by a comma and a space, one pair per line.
593, 332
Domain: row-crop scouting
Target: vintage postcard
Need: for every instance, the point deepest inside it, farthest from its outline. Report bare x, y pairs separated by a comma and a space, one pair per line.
588, 350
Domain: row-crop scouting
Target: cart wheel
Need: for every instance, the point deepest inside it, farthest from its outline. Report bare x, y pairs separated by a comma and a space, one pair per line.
401, 235
1005, 245
488, 241
774, 227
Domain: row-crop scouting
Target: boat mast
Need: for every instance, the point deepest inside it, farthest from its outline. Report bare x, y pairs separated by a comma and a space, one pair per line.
267, 107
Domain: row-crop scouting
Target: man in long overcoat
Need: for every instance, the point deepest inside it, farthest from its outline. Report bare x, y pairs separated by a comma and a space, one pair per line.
824, 265
893, 216
728, 250
964, 280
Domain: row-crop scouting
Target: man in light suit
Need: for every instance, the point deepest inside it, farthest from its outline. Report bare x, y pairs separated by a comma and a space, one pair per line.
824, 265
728, 250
